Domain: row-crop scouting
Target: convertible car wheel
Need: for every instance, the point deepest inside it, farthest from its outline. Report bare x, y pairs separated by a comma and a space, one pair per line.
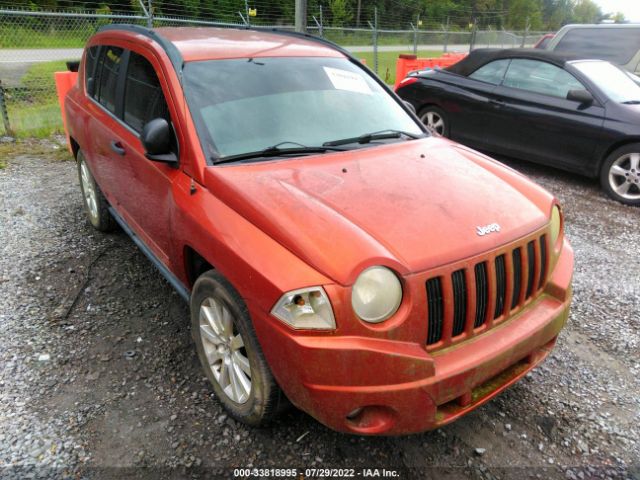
435, 120
229, 351
620, 175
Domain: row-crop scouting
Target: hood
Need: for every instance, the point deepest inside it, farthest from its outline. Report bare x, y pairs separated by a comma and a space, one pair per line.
410, 205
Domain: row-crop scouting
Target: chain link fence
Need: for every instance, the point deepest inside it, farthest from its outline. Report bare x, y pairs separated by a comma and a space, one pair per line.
35, 44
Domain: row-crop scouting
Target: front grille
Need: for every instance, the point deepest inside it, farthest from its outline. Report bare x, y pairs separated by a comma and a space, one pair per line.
499, 286
482, 294
459, 302
435, 309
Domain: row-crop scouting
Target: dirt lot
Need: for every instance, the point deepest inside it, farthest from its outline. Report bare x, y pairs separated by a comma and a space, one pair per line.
98, 376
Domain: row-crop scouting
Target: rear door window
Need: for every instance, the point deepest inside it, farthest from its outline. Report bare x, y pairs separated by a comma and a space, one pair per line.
143, 97
91, 59
106, 80
491, 72
616, 45
540, 77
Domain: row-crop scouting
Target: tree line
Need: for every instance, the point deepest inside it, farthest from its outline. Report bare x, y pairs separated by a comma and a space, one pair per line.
454, 14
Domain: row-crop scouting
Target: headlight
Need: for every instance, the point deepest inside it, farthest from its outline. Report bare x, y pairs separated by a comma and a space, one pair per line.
307, 308
556, 226
555, 230
376, 295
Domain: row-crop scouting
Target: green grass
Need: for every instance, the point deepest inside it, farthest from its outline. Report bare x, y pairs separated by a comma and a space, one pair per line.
36, 120
33, 107
44, 37
387, 62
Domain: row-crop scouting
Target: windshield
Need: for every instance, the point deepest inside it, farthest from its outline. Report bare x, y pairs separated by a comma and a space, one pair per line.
614, 82
616, 45
248, 105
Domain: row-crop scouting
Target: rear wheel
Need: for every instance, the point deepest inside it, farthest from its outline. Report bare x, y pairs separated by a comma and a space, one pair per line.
435, 120
620, 174
96, 206
230, 353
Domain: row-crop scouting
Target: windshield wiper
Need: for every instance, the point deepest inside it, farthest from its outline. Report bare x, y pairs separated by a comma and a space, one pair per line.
632, 102
277, 151
368, 137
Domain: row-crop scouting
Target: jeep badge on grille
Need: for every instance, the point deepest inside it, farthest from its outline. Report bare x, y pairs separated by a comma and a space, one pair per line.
487, 229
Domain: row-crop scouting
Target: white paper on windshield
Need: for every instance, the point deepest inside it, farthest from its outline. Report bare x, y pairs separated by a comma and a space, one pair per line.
345, 80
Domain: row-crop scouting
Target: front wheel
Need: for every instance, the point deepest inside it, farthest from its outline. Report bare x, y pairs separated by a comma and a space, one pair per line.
435, 120
230, 353
620, 174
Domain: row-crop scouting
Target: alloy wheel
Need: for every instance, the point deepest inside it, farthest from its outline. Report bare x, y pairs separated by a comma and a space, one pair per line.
624, 176
434, 122
90, 196
225, 351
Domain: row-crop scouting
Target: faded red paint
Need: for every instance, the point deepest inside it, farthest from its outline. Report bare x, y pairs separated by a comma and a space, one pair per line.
280, 225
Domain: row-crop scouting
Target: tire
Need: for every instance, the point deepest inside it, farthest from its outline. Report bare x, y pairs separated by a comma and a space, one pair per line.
95, 205
230, 353
435, 120
620, 174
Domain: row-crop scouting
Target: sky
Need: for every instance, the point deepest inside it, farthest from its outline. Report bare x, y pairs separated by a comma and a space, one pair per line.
630, 8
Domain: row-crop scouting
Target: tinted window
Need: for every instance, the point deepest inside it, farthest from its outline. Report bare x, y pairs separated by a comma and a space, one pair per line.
107, 77
617, 45
492, 72
90, 62
143, 97
245, 105
540, 77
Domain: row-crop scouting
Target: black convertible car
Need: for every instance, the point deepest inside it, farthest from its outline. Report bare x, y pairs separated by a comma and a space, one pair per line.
574, 114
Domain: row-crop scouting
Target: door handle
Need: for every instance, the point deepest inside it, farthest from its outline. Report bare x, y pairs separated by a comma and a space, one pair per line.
117, 147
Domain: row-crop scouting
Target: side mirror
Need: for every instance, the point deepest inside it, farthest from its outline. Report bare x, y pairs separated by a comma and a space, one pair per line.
583, 97
156, 140
410, 106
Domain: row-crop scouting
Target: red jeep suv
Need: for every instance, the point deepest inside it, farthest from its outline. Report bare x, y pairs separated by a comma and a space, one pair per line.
385, 281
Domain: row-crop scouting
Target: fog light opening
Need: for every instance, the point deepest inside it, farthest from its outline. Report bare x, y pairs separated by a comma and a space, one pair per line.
354, 414
371, 419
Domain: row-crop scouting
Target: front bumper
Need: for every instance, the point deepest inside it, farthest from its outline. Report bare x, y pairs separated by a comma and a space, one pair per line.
377, 386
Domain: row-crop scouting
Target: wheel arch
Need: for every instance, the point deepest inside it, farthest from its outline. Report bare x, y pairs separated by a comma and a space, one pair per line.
612, 148
195, 265
75, 147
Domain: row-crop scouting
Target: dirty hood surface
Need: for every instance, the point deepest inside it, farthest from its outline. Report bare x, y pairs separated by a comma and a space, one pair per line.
410, 205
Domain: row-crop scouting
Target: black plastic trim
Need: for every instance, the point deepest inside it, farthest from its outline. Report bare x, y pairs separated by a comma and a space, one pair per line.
182, 290
122, 79
172, 52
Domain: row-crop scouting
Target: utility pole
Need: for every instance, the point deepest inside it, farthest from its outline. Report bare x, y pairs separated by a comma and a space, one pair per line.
415, 35
446, 36
526, 33
301, 16
358, 13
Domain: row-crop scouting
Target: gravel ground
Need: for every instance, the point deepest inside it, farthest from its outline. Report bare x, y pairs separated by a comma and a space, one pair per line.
98, 376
